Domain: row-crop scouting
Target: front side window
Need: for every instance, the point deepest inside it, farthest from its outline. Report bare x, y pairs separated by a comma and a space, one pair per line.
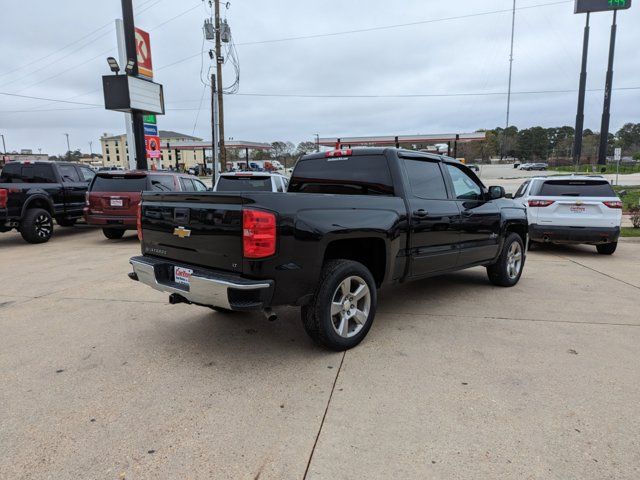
87, 174
464, 186
69, 174
426, 179
522, 189
187, 185
199, 186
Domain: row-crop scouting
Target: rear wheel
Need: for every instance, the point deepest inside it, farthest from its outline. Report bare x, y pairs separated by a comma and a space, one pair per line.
113, 233
343, 307
507, 270
36, 226
607, 248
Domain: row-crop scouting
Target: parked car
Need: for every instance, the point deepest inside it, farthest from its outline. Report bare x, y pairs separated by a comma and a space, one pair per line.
572, 209
32, 194
113, 197
534, 166
352, 222
251, 182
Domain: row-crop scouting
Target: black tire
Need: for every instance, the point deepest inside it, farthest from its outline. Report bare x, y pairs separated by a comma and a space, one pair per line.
36, 226
607, 248
357, 316
113, 233
506, 273
66, 222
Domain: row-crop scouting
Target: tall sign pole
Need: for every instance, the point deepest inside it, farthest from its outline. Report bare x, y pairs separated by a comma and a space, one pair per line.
577, 141
219, 62
128, 118
606, 109
130, 51
589, 7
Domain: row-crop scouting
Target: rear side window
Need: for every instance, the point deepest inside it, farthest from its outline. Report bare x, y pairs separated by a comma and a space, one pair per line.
244, 184
576, 188
354, 175
426, 179
119, 184
69, 173
20, 173
162, 183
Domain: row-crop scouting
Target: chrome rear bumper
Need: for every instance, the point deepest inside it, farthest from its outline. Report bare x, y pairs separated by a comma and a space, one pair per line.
206, 288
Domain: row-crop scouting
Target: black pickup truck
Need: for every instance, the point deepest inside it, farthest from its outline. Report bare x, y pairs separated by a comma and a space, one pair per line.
352, 221
32, 194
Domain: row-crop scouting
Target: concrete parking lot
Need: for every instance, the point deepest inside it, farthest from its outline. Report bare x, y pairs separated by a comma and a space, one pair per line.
101, 378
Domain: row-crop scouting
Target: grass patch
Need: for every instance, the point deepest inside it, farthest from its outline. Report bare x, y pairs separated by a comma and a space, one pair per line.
610, 169
629, 232
632, 198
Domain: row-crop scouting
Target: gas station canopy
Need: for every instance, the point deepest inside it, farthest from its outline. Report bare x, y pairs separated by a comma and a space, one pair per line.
401, 139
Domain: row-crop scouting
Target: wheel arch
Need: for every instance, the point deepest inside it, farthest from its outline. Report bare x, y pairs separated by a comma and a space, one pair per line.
369, 251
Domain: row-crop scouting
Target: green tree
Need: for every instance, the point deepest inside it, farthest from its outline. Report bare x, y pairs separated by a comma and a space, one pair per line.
628, 137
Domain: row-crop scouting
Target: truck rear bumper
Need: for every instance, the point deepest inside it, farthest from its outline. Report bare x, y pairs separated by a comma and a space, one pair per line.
590, 235
207, 288
127, 222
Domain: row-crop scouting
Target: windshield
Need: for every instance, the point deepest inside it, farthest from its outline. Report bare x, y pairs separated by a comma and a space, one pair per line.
244, 184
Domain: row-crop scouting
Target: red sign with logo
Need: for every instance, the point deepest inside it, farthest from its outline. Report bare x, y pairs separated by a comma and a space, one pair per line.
153, 146
143, 52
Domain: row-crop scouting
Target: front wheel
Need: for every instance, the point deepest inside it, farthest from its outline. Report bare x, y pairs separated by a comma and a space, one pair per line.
607, 248
343, 307
506, 272
113, 233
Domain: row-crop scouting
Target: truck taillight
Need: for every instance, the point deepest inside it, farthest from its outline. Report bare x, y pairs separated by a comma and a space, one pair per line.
4, 196
258, 233
540, 203
339, 153
86, 199
139, 221
615, 204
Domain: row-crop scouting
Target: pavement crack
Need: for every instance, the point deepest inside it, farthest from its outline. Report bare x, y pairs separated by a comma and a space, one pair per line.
601, 273
326, 409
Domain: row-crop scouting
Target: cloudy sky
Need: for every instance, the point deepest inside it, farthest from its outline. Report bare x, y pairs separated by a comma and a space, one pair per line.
430, 49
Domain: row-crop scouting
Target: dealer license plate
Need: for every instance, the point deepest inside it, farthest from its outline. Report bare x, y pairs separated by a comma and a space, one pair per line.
183, 275
117, 202
578, 209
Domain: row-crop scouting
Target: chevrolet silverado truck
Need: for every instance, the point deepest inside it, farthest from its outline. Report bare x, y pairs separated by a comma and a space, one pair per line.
32, 194
352, 221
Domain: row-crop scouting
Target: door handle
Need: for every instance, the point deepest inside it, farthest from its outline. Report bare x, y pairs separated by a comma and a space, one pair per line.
420, 213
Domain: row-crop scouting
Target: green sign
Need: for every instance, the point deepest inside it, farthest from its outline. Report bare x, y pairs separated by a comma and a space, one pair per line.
150, 119
589, 6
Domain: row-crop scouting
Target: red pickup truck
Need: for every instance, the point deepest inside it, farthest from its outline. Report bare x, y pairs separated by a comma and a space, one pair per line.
113, 197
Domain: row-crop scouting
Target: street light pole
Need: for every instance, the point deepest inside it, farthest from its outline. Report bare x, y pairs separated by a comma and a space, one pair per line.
68, 148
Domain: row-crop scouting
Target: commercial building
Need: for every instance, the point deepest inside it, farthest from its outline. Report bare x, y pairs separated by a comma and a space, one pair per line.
115, 150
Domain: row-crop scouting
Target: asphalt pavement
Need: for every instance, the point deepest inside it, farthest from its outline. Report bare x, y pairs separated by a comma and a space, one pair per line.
103, 379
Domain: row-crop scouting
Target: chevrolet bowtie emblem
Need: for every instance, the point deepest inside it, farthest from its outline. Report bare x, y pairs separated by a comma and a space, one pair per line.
182, 232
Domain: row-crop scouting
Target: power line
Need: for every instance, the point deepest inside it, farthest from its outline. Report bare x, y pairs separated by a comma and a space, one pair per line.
30, 97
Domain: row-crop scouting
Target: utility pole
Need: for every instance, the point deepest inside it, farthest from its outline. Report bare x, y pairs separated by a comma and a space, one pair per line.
4, 146
219, 60
317, 142
577, 141
214, 129
91, 149
604, 129
68, 148
513, 31
130, 49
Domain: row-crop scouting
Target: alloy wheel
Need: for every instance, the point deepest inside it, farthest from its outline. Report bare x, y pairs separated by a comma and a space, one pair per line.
514, 260
350, 306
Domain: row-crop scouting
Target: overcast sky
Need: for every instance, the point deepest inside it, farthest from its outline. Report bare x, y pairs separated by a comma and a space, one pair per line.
448, 56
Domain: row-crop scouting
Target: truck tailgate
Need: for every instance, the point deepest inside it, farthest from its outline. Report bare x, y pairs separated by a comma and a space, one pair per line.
202, 229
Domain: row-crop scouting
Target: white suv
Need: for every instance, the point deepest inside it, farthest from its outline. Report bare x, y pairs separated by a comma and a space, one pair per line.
572, 209
251, 182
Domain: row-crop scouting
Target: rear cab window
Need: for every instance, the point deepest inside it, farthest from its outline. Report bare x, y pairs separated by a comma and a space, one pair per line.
238, 183
349, 175
119, 184
27, 173
575, 188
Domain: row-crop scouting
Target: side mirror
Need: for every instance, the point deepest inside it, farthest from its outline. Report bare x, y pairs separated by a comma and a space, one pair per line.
496, 192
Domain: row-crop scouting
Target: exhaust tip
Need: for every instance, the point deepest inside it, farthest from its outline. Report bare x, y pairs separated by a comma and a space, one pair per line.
175, 299
270, 315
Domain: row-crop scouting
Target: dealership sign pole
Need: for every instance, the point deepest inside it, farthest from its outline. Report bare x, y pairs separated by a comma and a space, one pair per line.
588, 7
128, 118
